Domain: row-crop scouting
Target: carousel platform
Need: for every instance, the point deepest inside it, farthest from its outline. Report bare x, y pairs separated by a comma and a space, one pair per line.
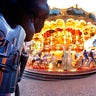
49, 75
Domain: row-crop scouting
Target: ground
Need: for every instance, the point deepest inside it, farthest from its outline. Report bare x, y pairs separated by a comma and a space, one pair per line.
73, 87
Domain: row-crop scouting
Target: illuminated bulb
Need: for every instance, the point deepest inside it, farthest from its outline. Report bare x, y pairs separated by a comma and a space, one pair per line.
73, 70
50, 66
60, 70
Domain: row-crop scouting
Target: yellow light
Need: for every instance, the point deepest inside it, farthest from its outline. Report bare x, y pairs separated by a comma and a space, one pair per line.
50, 66
60, 70
73, 70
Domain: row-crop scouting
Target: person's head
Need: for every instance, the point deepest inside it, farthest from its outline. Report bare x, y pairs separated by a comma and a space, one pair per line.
30, 14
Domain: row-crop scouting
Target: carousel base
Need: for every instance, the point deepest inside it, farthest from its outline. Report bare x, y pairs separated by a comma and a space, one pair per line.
48, 75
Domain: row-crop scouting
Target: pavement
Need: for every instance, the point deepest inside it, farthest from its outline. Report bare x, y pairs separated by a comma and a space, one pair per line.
73, 87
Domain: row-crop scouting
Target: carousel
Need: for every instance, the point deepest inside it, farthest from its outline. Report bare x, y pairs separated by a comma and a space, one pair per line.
65, 48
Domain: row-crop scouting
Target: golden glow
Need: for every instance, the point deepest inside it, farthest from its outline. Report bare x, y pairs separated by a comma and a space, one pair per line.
50, 66
73, 70
60, 70
60, 45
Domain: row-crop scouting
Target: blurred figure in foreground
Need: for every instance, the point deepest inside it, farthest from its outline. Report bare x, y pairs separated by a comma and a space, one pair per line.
16, 18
